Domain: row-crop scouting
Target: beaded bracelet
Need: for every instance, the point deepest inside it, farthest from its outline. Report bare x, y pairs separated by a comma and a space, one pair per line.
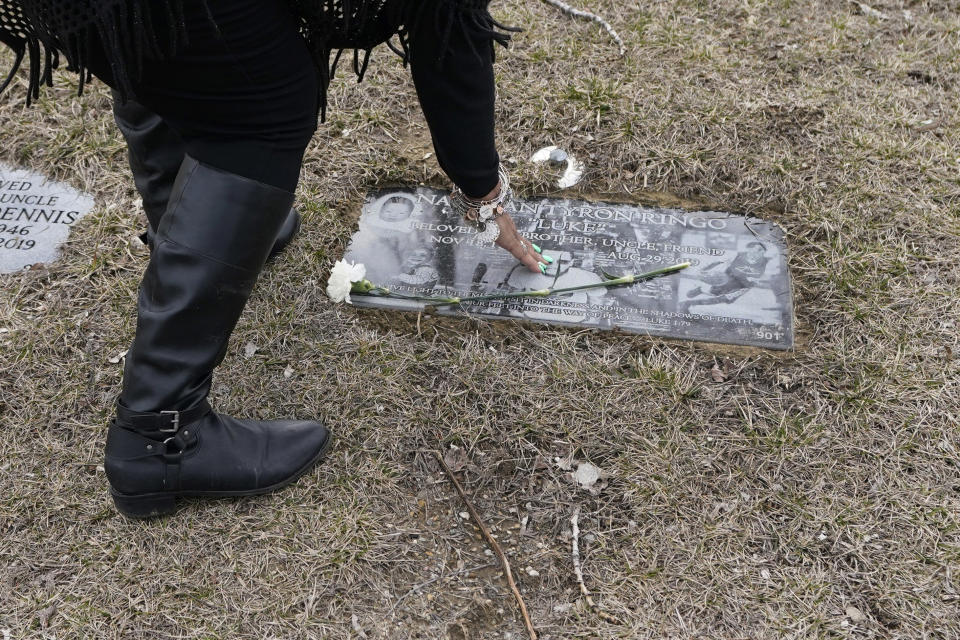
482, 214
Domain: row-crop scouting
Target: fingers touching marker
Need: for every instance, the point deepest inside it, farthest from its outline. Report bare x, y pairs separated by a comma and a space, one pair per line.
538, 260
522, 249
491, 209
548, 259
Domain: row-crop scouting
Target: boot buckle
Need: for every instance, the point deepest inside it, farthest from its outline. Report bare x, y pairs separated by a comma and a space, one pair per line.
173, 455
174, 424
182, 441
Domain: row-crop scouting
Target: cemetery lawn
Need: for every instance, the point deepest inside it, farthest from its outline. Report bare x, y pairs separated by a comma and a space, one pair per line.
751, 494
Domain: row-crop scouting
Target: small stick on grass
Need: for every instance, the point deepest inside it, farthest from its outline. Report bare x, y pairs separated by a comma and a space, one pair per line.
577, 13
507, 571
578, 571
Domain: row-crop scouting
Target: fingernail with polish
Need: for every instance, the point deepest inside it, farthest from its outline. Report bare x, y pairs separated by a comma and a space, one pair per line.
536, 248
548, 259
543, 268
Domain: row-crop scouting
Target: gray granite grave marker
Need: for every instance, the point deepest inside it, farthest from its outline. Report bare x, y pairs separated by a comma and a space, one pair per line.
36, 215
737, 290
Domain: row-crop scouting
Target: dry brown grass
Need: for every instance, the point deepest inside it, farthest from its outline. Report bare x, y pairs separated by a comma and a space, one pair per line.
812, 495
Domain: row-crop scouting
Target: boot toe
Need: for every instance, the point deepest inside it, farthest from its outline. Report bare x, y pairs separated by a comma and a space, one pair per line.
294, 447
247, 457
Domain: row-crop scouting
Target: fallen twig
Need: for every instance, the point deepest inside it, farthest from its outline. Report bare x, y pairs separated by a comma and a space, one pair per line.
567, 9
578, 571
867, 10
507, 571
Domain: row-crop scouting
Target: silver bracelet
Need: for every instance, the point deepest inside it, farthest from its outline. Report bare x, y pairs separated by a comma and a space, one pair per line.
480, 213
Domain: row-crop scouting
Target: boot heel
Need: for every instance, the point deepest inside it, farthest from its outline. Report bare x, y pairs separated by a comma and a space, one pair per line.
149, 506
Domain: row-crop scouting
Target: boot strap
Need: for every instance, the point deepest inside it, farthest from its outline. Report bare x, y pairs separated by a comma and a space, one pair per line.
125, 444
162, 421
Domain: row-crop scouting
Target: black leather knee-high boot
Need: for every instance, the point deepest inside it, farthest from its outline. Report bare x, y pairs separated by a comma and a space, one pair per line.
156, 152
165, 441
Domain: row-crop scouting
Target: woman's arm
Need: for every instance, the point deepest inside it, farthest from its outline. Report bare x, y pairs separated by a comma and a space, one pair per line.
455, 84
457, 95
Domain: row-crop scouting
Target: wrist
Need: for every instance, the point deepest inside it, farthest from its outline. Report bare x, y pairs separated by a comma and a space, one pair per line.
483, 212
493, 192
496, 198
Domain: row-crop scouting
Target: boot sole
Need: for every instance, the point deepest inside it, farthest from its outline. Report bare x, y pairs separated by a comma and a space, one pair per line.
153, 505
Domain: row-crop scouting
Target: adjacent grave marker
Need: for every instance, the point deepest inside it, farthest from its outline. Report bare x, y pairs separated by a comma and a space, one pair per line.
737, 290
35, 217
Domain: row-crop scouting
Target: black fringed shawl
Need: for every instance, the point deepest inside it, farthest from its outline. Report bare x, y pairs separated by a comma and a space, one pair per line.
42, 30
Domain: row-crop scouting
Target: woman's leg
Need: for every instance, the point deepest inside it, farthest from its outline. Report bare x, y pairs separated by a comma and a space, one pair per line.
155, 152
243, 99
242, 95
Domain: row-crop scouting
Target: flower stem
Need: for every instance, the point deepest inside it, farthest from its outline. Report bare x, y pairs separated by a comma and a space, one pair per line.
535, 293
387, 293
542, 293
368, 288
627, 279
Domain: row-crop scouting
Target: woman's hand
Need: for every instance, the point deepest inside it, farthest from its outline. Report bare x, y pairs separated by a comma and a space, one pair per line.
521, 248
511, 240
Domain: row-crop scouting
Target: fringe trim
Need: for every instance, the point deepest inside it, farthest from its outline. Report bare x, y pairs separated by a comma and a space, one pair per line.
38, 73
330, 27
363, 31
469, 19
124, 28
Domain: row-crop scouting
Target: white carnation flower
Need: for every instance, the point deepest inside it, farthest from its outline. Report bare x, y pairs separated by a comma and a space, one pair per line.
342, 277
